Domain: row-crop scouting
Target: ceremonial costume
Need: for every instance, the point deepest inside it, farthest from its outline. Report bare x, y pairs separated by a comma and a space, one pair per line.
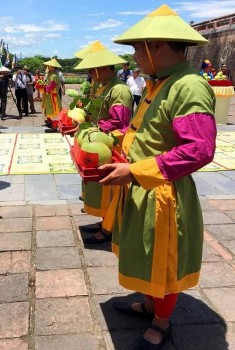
166, 216
51, 103
113, 115
158, 229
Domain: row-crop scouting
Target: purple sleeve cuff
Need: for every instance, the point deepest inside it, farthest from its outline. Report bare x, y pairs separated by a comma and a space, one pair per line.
119, 119
196, 136
51, 86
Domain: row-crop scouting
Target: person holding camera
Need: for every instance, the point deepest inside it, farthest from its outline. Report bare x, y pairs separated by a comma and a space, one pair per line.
30, 88
21, 80
4, 82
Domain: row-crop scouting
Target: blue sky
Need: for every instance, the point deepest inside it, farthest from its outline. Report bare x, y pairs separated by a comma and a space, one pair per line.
62, 27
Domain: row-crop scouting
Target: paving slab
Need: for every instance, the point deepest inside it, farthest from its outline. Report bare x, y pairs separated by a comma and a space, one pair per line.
69, 342
15, 262
63, 316
15, 241
223, 275
16, 225
57, 258
60, 283
14, 319
13, 287
51, 210
13, 344
53, 223
57, 238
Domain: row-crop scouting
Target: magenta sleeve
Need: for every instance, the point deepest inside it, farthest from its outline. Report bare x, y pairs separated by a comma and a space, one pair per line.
196, 136
119, 119
51, 86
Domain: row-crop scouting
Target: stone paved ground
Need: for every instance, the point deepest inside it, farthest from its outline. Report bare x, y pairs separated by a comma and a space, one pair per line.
56, 294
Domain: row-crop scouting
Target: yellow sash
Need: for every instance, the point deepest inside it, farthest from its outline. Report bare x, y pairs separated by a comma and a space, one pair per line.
152, 91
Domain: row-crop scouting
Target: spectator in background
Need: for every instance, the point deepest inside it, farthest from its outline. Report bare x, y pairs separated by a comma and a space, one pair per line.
224, 69
30, 88
37, 77
4, 82
62, 81
125, 72
206, 68
136, 85
20, 80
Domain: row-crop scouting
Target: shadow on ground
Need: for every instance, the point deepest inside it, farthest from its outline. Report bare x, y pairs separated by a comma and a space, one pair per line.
195, 325
4, 184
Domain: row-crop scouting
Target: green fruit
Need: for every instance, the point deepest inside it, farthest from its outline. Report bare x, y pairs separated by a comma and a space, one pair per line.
104, 153
224, 77
80, 135
72, 93
77, 114
99, 136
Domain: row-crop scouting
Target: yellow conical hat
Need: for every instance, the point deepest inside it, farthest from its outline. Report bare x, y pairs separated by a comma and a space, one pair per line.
98, 55
82, 53
52, 63
163, 24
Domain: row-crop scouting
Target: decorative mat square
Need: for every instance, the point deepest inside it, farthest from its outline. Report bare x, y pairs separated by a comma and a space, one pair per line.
35, 154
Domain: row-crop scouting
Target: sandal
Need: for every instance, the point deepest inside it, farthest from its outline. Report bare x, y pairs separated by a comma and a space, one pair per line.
144, 344
125, 308
94, 240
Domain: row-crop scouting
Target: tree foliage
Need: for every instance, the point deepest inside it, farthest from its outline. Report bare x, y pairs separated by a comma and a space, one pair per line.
68, 64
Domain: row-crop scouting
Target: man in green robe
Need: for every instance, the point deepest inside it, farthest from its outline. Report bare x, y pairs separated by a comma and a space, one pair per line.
158, 232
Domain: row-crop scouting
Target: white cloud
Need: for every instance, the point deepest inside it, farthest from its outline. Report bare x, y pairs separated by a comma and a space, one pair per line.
130, 13
209, 9
29, 28
110, 23
52, 35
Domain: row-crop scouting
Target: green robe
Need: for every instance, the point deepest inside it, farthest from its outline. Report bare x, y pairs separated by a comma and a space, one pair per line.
159, 234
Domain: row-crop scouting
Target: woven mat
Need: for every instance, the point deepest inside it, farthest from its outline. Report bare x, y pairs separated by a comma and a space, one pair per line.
49, 154
35, 154
224, 158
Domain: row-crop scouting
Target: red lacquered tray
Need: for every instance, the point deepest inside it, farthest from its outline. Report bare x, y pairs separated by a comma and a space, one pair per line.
62, 127
220, 82
93, 174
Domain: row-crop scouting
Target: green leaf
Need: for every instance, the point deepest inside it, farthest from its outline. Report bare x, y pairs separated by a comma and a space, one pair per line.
115, 139
73, 104
85, 101
97, 101
83, 126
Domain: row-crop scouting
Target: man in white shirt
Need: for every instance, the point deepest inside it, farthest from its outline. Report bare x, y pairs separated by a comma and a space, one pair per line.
30, 88
20, 81
136, 85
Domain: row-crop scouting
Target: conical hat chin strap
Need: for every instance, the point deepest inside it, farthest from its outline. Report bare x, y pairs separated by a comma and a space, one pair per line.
97, 73
149, 55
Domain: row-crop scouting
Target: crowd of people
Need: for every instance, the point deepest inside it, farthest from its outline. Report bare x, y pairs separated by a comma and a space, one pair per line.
149, 205
209, 73
23, 83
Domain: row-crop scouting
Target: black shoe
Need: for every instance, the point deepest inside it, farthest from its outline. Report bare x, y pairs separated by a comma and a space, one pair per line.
91, 228
125, 308
94, 240
33, 112
83, 210
26, 115
143, 344
81, 198
3, 117
51, 130
20, 117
